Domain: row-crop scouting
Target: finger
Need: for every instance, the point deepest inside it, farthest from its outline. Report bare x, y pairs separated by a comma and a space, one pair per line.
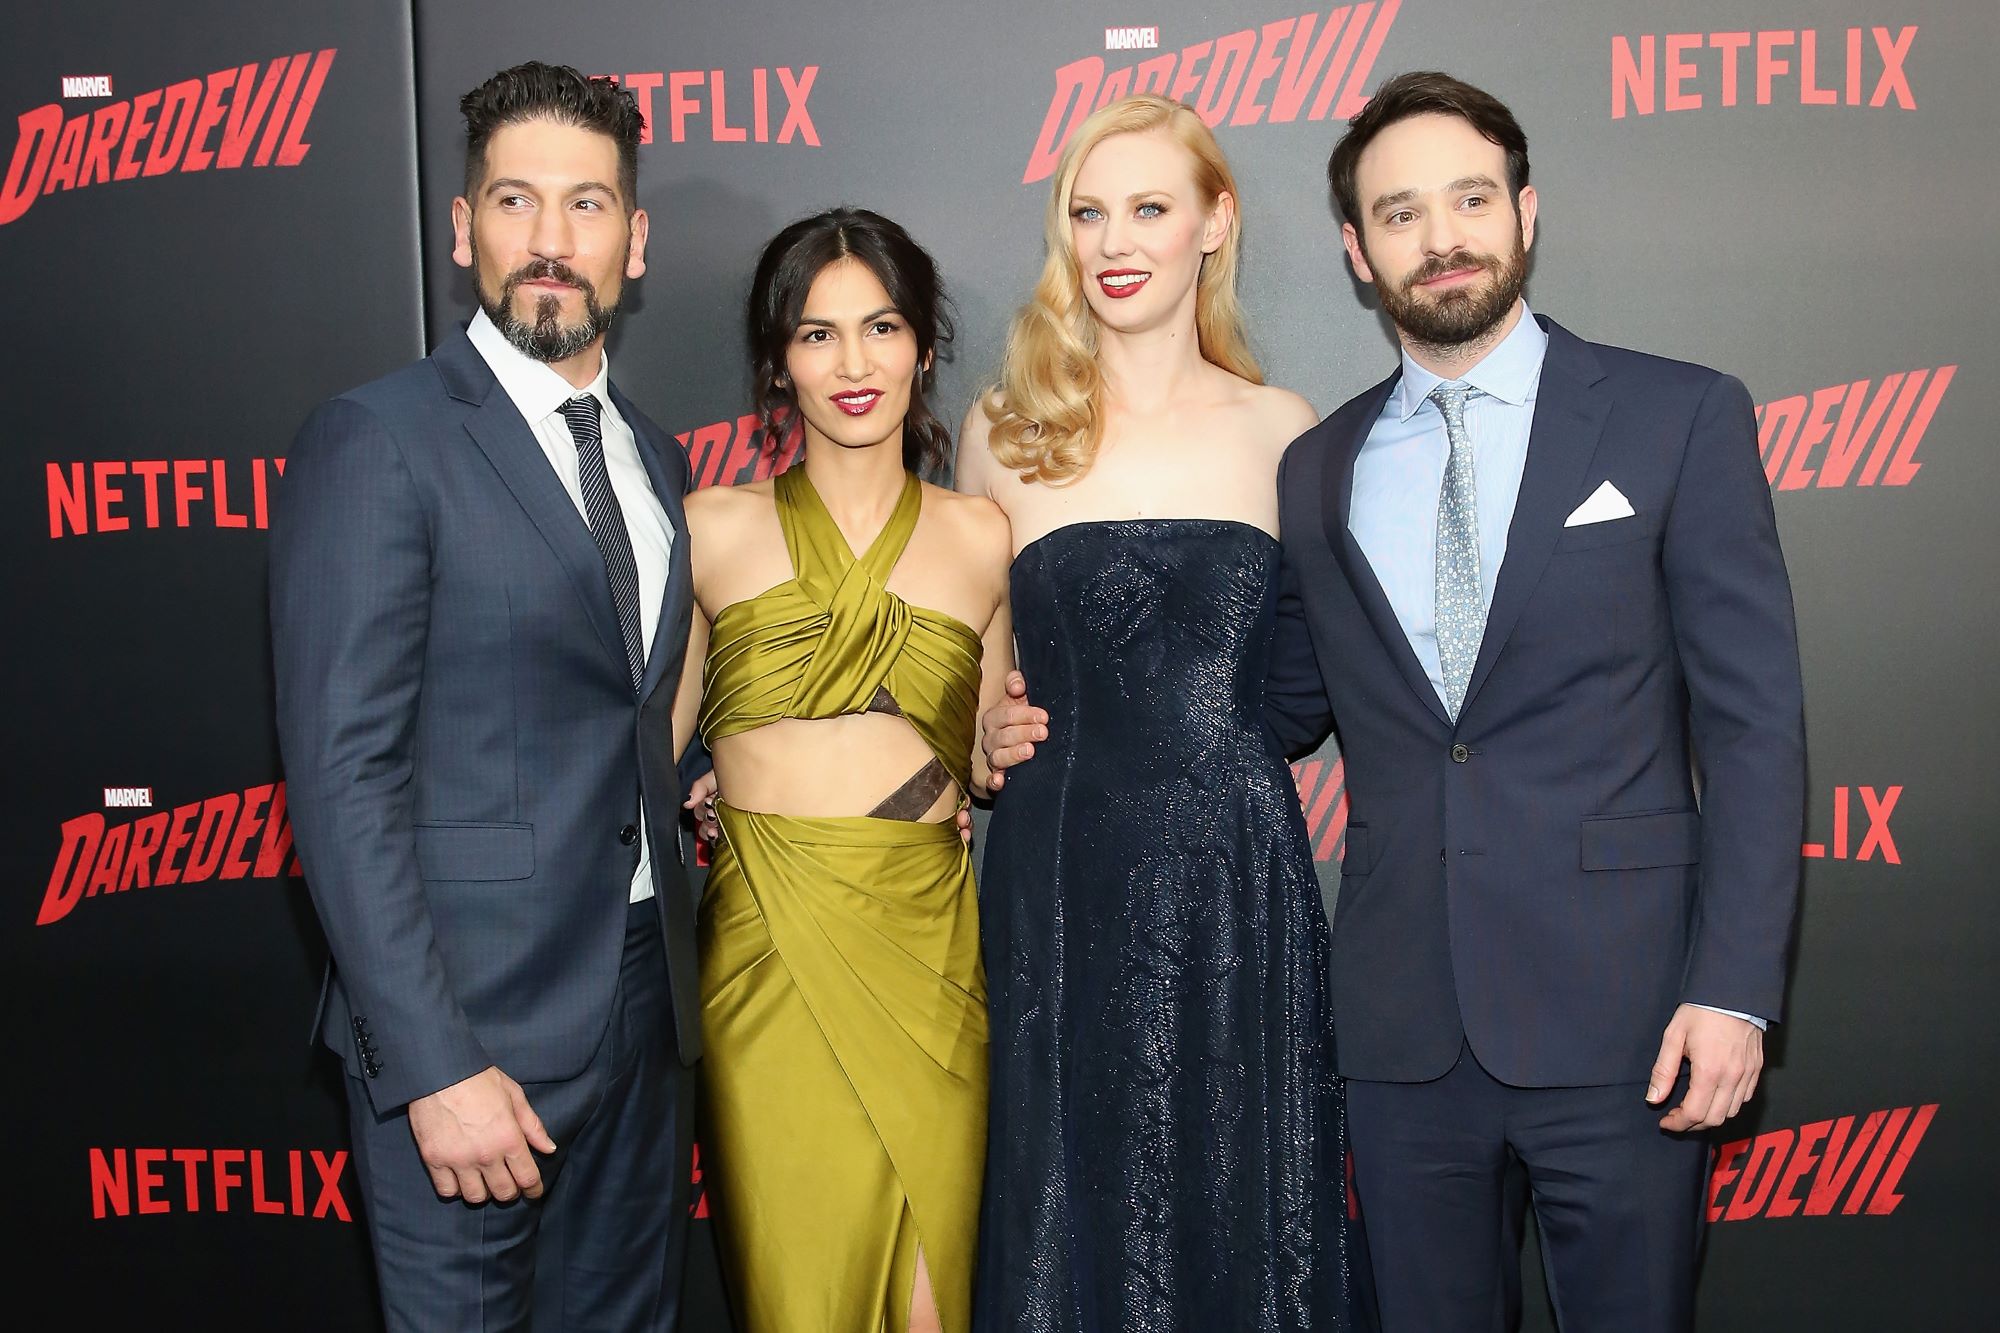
996, 780
444, 1182
501, 1186
1666, 1067
532, 1128
471, 1186
1704, 1088
1017, 685
524, 1174
1006, 737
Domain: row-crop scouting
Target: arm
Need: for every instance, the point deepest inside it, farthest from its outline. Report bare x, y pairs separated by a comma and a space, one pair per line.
1296, 708
1731, 605
996, 670
350, 612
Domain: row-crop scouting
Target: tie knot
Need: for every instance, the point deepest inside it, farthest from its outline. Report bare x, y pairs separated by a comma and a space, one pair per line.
1451, 397
582, 414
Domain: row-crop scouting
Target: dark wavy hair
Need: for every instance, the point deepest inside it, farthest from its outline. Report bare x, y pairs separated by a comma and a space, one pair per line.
785, 274
536, 91
1425, 93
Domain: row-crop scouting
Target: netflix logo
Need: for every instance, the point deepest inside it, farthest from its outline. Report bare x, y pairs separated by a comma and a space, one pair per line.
698, 99
187, 127
1876, 842
724, 453
113, 495
237, 835
1686, 71
1811, 1170
1323, 797
153, 1181
1313, 63
1821, 439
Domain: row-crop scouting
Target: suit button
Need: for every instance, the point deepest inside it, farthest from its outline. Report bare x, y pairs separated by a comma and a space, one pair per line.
629, 834
1459, 754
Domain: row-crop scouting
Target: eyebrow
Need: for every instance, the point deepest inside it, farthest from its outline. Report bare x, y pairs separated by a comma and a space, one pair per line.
1136, 194
1462, 183
870, 317
581, 187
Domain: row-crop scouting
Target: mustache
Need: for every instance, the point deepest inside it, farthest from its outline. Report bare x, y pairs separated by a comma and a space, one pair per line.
1451, 263
548, 270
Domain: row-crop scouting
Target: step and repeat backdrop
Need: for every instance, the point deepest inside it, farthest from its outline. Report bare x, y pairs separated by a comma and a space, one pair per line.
211, 221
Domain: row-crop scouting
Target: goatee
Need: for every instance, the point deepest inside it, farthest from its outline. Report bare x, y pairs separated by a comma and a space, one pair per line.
546, 338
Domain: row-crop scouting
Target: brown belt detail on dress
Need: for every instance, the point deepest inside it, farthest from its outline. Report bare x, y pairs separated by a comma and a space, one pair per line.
914, 797
884, 702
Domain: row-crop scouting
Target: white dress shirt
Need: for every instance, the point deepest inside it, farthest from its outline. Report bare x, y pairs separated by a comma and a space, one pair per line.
539, 393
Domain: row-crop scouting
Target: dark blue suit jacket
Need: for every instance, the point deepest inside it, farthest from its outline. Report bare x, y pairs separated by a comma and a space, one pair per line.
461, 741
1540, 879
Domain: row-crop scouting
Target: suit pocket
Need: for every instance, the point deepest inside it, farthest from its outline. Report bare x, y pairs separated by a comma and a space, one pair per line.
1357, 857
453, 850
1611, 532
1640, 842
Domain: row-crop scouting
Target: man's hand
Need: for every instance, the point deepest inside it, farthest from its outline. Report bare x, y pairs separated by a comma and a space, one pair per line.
1724, 1057
475, 1136
1009, 731
701, 803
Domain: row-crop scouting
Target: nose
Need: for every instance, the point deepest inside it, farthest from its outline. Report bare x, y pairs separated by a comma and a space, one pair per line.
1441, 232
853, 359
1114, 239
552, 236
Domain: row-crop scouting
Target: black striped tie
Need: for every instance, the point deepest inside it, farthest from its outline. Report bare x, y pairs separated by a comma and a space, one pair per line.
607, 525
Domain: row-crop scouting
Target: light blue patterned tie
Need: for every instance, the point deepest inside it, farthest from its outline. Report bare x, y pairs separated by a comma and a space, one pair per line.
1461, 605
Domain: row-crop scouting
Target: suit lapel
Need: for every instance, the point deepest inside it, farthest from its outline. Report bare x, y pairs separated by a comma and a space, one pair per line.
670, 632
1570, 410
495, 425
1339, 498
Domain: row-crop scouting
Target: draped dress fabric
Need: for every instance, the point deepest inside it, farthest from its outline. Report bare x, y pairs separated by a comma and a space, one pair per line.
843, 1000
1166, 1139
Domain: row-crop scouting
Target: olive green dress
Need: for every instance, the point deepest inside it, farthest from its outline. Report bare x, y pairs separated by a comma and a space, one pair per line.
843, 1002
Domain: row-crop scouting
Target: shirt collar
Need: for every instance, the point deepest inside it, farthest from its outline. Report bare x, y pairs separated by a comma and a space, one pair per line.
1509, 372
534, 387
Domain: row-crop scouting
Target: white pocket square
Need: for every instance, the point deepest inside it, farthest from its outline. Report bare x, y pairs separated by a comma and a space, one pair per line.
1605, 503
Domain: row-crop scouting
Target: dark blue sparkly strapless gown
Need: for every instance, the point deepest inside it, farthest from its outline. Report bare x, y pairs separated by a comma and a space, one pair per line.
1165, 1138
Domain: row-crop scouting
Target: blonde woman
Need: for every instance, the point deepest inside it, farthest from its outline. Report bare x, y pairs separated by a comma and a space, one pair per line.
1165, 1135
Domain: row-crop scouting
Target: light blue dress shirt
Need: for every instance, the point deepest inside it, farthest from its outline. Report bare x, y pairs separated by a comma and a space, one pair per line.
1400, 470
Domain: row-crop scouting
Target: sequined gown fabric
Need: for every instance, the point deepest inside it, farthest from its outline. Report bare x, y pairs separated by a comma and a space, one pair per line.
1166, 1143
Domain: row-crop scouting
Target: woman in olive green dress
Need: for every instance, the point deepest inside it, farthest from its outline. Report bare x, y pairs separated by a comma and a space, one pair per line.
843, 1005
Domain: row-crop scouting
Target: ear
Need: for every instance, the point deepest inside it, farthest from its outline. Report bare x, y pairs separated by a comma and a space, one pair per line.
1530, 207
461, 232
1351, 240
1219, 219
635, 253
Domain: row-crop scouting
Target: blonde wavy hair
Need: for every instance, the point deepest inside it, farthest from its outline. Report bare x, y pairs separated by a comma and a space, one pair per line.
1046, 415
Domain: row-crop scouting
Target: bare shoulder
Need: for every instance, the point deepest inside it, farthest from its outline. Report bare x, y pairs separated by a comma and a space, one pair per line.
1287, 415
974, 465
975, 520
719, 514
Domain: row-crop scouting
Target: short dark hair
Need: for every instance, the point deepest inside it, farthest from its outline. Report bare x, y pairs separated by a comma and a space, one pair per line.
537, 91
1424, 93
785, 274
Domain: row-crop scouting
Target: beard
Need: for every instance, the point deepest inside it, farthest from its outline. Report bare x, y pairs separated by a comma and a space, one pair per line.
545, 337
1464, 314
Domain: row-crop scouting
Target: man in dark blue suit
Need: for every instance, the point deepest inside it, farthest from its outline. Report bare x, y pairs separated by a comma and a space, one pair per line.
1537, 575
1537, 581
479, 604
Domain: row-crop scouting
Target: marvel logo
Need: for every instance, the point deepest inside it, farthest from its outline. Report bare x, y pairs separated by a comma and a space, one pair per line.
1132, 39
86, 85
128, 798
